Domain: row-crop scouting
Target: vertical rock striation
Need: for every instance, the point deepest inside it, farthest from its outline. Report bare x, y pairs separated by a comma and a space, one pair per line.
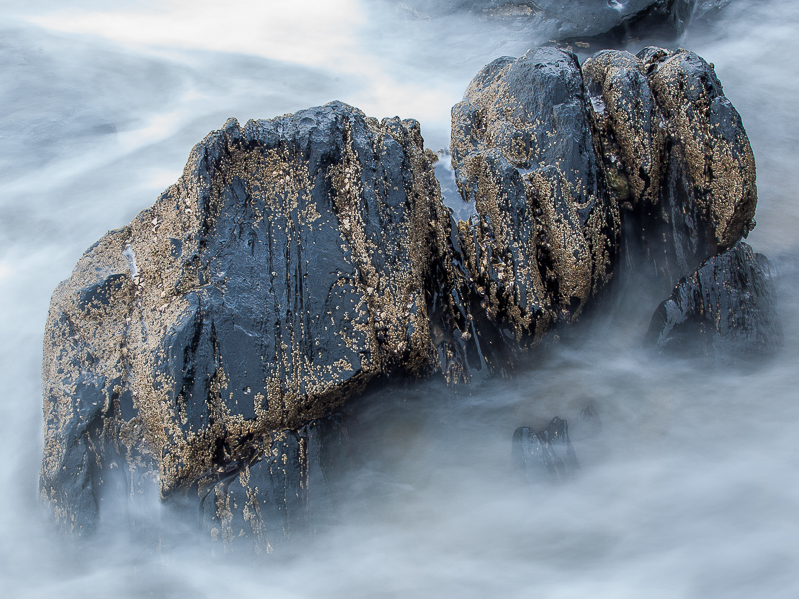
545, 237
608, 22
677, 159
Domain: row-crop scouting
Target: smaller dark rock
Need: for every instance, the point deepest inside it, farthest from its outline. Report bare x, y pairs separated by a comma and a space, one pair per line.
545, 455
726, 309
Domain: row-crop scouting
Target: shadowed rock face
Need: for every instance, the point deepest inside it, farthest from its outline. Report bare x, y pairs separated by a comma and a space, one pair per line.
726, 309
287, 268
677, 159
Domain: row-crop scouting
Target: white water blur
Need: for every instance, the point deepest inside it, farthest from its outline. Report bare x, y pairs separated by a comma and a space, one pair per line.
691, 491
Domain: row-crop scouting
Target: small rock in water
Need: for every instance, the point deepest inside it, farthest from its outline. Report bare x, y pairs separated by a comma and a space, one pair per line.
547, 454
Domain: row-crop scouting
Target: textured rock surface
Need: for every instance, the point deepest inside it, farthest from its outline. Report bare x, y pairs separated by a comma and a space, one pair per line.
546, 455
287, 268
677, 158
545, 235
577, 19
726, 309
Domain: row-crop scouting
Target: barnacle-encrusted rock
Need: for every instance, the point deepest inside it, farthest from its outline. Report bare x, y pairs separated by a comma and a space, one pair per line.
677, 158
287, 268
544, 239
726, 309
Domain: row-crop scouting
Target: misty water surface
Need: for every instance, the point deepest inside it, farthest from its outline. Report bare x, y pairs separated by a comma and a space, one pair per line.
692, 490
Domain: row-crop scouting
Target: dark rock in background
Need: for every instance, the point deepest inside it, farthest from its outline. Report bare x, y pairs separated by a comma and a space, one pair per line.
546, 455
724, 310
599, 21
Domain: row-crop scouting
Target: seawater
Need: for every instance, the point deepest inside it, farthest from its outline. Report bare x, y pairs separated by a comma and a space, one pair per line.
692, 489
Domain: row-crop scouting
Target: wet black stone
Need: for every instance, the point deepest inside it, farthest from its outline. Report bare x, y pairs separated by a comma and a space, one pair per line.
287, 268
677, 159
544, 237
725, 310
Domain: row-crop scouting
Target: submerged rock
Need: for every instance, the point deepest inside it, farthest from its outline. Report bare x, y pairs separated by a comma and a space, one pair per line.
726, 309
288, 267
546, 455
588, 424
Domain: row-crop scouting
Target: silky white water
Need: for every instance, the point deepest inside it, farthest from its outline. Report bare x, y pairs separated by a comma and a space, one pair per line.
692, 490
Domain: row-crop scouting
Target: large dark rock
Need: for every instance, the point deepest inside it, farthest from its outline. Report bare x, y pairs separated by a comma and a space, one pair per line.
724, 310
607, 22
288, 267
633, 167
677, 158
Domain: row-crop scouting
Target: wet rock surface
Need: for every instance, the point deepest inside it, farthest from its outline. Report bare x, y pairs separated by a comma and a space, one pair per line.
725, 310
629, 166
544, 238
288, 491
